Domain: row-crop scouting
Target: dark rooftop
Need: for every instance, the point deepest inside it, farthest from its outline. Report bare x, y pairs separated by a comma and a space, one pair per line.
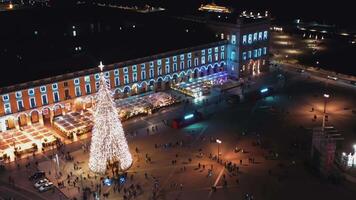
37, 44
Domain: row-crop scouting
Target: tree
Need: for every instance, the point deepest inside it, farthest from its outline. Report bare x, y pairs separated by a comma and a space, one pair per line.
108, 142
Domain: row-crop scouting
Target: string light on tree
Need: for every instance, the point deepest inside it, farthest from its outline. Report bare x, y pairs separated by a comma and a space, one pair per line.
108, 142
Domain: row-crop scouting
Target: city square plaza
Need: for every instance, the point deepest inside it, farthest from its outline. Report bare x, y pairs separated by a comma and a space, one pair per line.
258, 141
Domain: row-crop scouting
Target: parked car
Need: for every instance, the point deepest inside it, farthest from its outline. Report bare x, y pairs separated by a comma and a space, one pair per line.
41, 182
37, 175
46, 187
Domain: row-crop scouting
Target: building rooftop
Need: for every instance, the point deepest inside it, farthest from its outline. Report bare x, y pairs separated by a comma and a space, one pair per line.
44, 43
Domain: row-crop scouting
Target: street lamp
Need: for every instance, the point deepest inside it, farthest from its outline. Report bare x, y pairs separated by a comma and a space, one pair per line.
219, 142
326, 97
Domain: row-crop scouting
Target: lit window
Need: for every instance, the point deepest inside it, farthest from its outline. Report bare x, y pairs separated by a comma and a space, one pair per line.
259, 52
255, 53
216, 49
203, 60
182, 65
151, 73
134, 77
249, 54
260, 36
87, 78
216, 57
233, 54
151, 64
244, 55
32, 102
174, 58
222, 48
264, 50
265, 35
189, 63
134, 68
209, 51
189, 55
250, 38
244, 39
56, 96
174, 67
210, 58
255, 37
87, 88
167, 60
233, 39
143, 67
159, 62
203, 52
77, 91
222, 55
196, 61
7, 108
126, 79
20, 105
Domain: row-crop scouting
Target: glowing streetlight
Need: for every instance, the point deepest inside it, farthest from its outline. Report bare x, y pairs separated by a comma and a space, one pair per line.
326, 97
219, 142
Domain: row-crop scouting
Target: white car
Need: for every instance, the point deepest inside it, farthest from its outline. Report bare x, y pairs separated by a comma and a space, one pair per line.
333, 78
46, 187
41, 182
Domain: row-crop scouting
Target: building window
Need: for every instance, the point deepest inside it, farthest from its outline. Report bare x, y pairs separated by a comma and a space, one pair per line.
203, 52
216, 49
44, 99
174, 58
31, 92
196, 61
181, 65
77, 91
87, 88
189, 55
265, 35
233, 55
209, 51
233, 39
167, 60
151, 73
126, 79
97, 86
107, 74
222, 36
210, 58
18, 94
134, 77
32, 102
143, 75
116, 72
87, 79
189, 63
56, 96
255, 53
167, 68
5, 97
203, 60
54, 86
117, 81
43, 88
216, 57
76, 81
7, 108
97, 76
159, 70
259, 52
222, 48
222, 56
255, 37
182, 57
250, 38
264, 50
159, 62
20, 105
244, 39
151, 64
143, 67
174, 67
249, 54
126, 70
260, 36
244, 55
134, 68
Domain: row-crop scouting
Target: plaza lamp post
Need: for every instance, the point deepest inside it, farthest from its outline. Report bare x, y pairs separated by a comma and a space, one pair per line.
326, 97
219, 142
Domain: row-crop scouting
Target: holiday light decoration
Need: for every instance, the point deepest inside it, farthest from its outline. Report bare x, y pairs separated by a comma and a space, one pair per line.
108, 142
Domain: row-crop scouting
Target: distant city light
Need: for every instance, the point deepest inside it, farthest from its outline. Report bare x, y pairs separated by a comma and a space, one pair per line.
218, 141
264, 90
326, 95
189, 116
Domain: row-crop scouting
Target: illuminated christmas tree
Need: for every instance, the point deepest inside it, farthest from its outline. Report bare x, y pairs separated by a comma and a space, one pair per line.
108, 142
